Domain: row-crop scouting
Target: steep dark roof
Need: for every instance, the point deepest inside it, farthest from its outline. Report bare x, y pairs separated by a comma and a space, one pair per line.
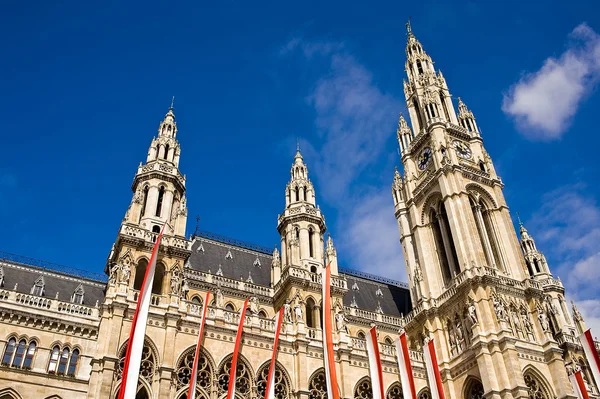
25, 275
209, 252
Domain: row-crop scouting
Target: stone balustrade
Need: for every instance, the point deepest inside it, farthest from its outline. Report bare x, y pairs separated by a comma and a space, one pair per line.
48, 304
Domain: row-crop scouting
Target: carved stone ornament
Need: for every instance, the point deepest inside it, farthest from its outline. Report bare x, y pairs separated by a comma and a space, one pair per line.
298, 313
287, 312
254, 305
472, 312
185, 288
500, 308
175, 282
340, 322
219, 298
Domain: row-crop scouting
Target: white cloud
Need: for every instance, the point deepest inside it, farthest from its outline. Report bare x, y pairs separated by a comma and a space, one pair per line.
544, 102
567, 229
354, 119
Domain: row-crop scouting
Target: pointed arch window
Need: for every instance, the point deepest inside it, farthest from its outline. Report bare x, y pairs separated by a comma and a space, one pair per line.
166, 152
310, 309
297, 193
62, 362
54, 355
78, 295
144, 202
311, 237
140, 270
29, 355
482, 166
444, 107
304, 193
19, 354
9, 351
161, 194
418, 112
419, 67
444, 242
159, 274
38, 287
73, 362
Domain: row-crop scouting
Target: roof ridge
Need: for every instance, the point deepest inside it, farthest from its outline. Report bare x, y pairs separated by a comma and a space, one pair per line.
232, 241
373, 277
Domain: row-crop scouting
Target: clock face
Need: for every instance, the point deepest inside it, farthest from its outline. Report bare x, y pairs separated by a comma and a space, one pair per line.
424, 158
462, 150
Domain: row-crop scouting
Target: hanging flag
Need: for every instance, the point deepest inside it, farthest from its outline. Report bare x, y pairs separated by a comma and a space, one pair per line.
578, 385
587, 341
270, 391
133, 358
433, 371
406, 374
328, 355
375, 364
236, 352
194, 377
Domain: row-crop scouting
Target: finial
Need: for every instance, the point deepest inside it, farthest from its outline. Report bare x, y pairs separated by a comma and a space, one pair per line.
172, 102
519, 219
297, 144
408, 27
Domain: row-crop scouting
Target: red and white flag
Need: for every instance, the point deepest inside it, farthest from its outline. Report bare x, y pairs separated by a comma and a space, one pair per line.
333, 391
578, 385
270, 391
433, 371
236, 352
587, 341
133, 358
194, 376
375, 364
406, 374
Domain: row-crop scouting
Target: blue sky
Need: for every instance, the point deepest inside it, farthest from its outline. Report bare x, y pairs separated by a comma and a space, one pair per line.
85, 86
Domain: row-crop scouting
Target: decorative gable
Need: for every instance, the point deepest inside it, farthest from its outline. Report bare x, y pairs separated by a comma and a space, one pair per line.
229, 255
38, 286
78, 295
257, 262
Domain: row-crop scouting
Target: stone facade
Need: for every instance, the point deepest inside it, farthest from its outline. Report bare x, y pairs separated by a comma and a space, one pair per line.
498, 316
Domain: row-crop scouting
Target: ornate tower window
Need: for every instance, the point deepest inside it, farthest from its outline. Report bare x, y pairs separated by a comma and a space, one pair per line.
144, 202
38, 287
161, 194
317, 387
311, 237
536, 389
204, 378
474, 390
363, 389
281, 383
243, 383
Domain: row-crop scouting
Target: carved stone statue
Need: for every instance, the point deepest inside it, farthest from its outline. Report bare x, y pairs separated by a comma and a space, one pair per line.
340, 322
526, 321
298, 313
459, 331
516, 320
175, 283
114, 272
276, 262
185, 288
543, 320
576, 314
500, 309
219, 298
452, 340
287, 312
125, 273
254, 305
472, 312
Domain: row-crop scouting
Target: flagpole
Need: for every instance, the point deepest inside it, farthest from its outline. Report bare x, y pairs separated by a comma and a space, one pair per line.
328, 355
433, 371
236, 351
405, 367
375, 364
589, 347
270, 391
135, 345
194, 376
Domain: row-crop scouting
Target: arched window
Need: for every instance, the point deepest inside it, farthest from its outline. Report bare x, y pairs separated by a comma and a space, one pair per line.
482, 166
159, 274
529, 269
78, 295
436, 225
443, 102
38, 286
418, 112
313, 269
388, 341
63, 361
311, 236
363, 389
29, 355
297, 193
147, 365
419, 67
196, 300
19, 354
474, 389
310, 309
9, 351
491, 235
317, 387
281, 381
144, 201
166, 152
535, 387
204, 376
537, 265
230, 307
140, 271
73, 363
394, 392
161, 194
52, 366
297, 233
262, 314
361, 335
304, 192
243, 381
424, 394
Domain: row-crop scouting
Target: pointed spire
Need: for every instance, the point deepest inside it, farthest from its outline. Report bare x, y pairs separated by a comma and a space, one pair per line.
409, 28
298, 157
462, 108
172, 102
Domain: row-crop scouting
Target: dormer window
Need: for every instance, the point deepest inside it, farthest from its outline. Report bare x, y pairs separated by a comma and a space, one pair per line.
78, 294
1, 276
38, 287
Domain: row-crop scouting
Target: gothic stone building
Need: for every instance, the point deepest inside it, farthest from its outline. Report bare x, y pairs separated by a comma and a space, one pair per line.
498, 316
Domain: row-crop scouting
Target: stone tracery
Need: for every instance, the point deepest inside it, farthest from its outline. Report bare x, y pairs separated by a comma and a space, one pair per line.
244, 379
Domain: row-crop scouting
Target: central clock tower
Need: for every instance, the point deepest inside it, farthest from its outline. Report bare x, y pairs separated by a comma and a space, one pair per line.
471, 288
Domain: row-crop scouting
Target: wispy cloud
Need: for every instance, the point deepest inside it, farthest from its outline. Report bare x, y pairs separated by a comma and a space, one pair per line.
544, 102
354, 119
567, 229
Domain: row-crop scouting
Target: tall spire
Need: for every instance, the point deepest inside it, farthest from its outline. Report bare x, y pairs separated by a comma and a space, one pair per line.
466, 118
408, 28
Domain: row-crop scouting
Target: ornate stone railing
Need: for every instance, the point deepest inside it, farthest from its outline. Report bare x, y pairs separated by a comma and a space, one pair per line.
388, 350
226, 282
167, 240
47, 304
300, 273
365, 314
359, 343
314, 334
